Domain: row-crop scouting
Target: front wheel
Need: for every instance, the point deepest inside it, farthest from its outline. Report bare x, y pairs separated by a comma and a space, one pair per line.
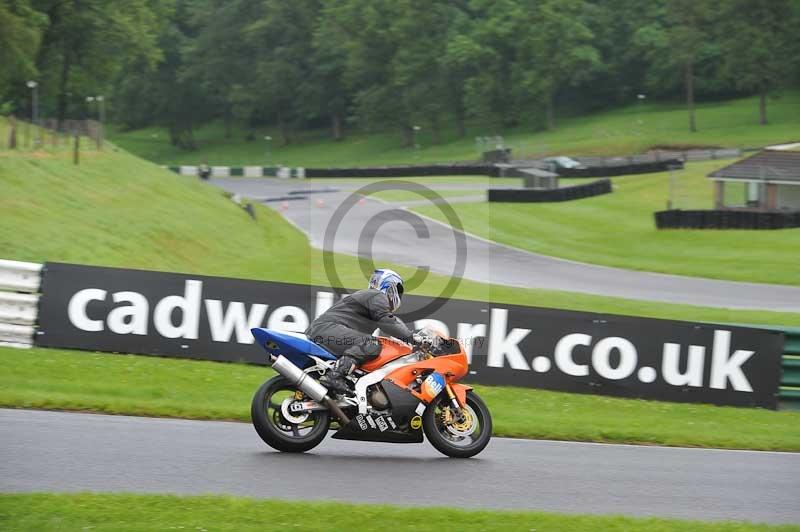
296, 435
458, 435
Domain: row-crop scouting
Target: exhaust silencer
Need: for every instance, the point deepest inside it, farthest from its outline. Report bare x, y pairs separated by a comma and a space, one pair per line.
297, 377
309, 386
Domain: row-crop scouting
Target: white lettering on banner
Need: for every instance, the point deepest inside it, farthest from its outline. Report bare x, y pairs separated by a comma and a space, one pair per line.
435, 325
324, 302
467, 333
613, 358
726, 368
129, 319
76, 309
563, 354
505, 346
189, 303
222, 325
278, 319
670, 364
601, 358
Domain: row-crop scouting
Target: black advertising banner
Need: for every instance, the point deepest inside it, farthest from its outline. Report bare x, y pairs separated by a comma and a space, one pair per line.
192, 316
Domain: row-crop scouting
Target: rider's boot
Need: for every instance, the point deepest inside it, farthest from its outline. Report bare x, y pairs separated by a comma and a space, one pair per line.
335, 378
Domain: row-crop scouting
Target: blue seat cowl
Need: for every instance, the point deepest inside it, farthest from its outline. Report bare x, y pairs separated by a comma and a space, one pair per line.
294, 348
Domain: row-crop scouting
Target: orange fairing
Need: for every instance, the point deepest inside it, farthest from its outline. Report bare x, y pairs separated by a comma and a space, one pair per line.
451, 367
390, 350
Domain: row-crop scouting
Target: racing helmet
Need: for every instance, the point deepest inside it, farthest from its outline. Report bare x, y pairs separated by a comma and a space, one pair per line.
390, 283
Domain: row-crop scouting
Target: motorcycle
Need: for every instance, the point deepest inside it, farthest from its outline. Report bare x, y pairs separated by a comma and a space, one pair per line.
407, 391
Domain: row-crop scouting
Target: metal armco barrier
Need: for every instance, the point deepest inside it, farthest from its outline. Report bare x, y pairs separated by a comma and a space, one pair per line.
19, 282
790, 367
107, 310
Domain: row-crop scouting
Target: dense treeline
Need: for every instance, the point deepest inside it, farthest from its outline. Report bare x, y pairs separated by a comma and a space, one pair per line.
387, 64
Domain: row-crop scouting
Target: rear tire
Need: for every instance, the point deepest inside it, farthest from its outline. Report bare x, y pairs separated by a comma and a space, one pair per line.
275, 430
451, 444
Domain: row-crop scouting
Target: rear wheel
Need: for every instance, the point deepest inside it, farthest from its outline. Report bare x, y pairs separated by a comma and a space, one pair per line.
458, 435
269, 414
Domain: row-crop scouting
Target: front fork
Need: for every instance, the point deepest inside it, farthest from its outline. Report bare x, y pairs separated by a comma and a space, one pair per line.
453, 398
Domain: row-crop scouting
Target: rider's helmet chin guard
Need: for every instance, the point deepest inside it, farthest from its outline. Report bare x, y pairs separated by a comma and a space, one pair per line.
390, 283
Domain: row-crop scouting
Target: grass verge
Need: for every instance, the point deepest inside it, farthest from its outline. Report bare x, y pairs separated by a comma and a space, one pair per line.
625, 130
151, 386
82, 511
619, 230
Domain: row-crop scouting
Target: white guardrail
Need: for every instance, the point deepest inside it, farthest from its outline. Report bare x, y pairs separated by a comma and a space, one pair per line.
19, 302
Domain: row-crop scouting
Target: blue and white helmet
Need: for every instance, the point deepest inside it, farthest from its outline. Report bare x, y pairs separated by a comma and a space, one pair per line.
390, 283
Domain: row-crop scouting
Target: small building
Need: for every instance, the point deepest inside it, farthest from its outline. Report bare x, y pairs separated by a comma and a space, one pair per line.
768, 181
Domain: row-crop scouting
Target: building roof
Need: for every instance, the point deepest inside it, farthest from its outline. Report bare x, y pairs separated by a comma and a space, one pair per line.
766, 165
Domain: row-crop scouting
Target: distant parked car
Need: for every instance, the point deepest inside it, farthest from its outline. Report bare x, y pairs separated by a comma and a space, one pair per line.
554, 163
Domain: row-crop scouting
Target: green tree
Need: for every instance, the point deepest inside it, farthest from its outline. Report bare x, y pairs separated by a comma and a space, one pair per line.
279, 42
20, 34
624, 66
393, 67
217, 59
760, 44
490, 48
690, 28
459, 63
86, 41
326, 93
555, 52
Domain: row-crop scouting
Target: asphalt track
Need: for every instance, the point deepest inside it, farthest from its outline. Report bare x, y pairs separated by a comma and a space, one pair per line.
69, 452
387, 232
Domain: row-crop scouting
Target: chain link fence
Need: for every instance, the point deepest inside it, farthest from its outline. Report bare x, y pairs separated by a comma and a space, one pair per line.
48, 133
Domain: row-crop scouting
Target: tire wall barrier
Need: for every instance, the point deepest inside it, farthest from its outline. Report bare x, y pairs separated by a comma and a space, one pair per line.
530, 195
621, 169
725, 219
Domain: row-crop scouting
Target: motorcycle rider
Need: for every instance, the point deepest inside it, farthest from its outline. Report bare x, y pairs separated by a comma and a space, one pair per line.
346, 328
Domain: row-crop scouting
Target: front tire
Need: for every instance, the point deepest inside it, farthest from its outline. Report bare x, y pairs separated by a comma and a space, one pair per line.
278, 432
458, 440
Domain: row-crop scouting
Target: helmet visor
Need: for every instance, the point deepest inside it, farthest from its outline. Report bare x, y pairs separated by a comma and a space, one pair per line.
394, 296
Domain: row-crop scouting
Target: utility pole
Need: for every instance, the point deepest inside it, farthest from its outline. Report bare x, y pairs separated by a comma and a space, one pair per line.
34, 87
101, 104
90, 100
268, 154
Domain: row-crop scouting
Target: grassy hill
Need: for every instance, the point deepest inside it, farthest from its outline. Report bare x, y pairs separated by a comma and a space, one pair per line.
619, 230
627, 130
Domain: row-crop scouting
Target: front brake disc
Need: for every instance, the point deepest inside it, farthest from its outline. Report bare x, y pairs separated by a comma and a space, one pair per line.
465, 425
